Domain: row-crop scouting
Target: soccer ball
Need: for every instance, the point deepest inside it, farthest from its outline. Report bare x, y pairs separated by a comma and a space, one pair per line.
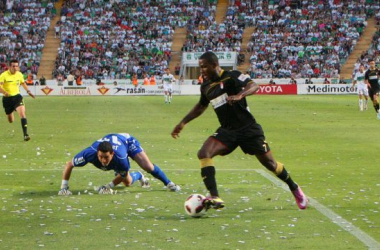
194, 206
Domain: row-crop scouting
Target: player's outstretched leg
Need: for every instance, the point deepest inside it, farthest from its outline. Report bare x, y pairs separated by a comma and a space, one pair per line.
143, 161
279, 170
159, 174
300, 197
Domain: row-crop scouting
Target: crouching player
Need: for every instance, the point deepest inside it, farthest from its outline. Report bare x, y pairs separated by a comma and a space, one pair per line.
111, 153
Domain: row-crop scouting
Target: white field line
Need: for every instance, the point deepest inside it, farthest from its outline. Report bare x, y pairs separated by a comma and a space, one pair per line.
335, 218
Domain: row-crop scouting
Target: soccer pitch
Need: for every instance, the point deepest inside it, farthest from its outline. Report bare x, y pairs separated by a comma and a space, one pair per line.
328, 146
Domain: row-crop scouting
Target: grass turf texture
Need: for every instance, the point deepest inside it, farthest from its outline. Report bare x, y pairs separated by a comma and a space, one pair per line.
328, 146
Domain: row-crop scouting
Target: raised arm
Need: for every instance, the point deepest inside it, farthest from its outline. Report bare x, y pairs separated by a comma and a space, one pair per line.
197, 110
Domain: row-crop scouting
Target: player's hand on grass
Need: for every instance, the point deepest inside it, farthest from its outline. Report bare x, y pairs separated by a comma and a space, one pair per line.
105, 190
65, 191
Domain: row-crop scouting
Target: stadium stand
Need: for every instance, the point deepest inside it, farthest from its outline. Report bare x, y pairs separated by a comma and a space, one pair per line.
305, 40
372, 40
23, 27
114, 39
111, 41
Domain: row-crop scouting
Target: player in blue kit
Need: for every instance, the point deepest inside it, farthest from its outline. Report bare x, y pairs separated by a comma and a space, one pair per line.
111, 153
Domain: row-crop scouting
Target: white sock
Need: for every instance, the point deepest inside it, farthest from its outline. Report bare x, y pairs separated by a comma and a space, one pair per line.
360, 103
64, 183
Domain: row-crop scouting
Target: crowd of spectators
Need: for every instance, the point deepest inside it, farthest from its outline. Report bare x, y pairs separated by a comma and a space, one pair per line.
204, 33
374, 51
114, 39
308, 39
118, 38
23, 27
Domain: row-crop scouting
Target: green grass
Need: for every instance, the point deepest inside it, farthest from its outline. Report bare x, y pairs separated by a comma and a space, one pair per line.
329, 147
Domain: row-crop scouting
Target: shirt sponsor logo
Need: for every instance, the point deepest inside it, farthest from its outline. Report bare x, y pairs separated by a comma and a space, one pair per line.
219, 101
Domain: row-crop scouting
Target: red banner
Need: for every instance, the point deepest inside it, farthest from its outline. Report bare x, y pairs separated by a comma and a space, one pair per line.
277, 89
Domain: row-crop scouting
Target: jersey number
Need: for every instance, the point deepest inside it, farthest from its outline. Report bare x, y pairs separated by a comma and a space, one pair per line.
115, 140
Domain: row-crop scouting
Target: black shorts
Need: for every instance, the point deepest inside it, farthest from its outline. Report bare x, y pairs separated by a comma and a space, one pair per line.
251, 139
10, 103
372, 92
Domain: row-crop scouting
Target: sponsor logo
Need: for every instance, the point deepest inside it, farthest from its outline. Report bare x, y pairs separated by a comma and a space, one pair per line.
118, 89
219, 101
47, 90
103, 90
278, 89
270, 89
139, 90
329, 89
75, 91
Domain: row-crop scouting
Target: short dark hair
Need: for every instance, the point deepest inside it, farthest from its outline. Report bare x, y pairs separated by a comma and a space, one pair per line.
210, 57
105, 147
13, 61
371, 60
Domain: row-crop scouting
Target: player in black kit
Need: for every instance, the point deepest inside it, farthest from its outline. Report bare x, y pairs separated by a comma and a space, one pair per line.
226, 91
372, 80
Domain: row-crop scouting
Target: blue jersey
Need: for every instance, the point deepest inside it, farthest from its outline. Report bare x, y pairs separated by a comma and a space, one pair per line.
123, 146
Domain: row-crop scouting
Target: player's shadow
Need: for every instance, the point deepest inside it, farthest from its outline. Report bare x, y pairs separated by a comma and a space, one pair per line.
31, 193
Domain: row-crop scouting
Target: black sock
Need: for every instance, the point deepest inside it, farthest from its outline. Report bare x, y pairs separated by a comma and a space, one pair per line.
376, 106
24, 125
284, 175
208, 175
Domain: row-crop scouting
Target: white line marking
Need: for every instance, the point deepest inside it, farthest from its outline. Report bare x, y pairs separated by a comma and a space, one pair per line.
335, 218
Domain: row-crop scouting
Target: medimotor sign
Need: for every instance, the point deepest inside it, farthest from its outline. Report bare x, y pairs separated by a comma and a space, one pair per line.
324, 89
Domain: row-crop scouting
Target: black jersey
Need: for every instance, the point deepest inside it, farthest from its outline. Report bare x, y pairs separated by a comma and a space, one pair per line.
372, 76
229, 83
